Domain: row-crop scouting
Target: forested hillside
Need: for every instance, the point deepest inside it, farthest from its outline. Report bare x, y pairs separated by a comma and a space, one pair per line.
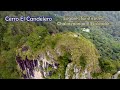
40, 40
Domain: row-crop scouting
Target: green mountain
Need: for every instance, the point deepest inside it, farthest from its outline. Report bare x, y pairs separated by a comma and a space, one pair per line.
46, 50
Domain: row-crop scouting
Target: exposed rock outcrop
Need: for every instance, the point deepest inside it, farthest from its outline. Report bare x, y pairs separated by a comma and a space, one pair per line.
62, 61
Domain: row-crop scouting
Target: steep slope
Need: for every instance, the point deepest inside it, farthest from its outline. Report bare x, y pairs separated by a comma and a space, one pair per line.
32, 45
65, 55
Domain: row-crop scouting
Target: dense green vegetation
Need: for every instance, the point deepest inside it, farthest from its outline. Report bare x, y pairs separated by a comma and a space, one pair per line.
37, 35
13, 36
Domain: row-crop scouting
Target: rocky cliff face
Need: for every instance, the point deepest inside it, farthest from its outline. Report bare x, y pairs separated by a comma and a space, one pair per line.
71, 58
